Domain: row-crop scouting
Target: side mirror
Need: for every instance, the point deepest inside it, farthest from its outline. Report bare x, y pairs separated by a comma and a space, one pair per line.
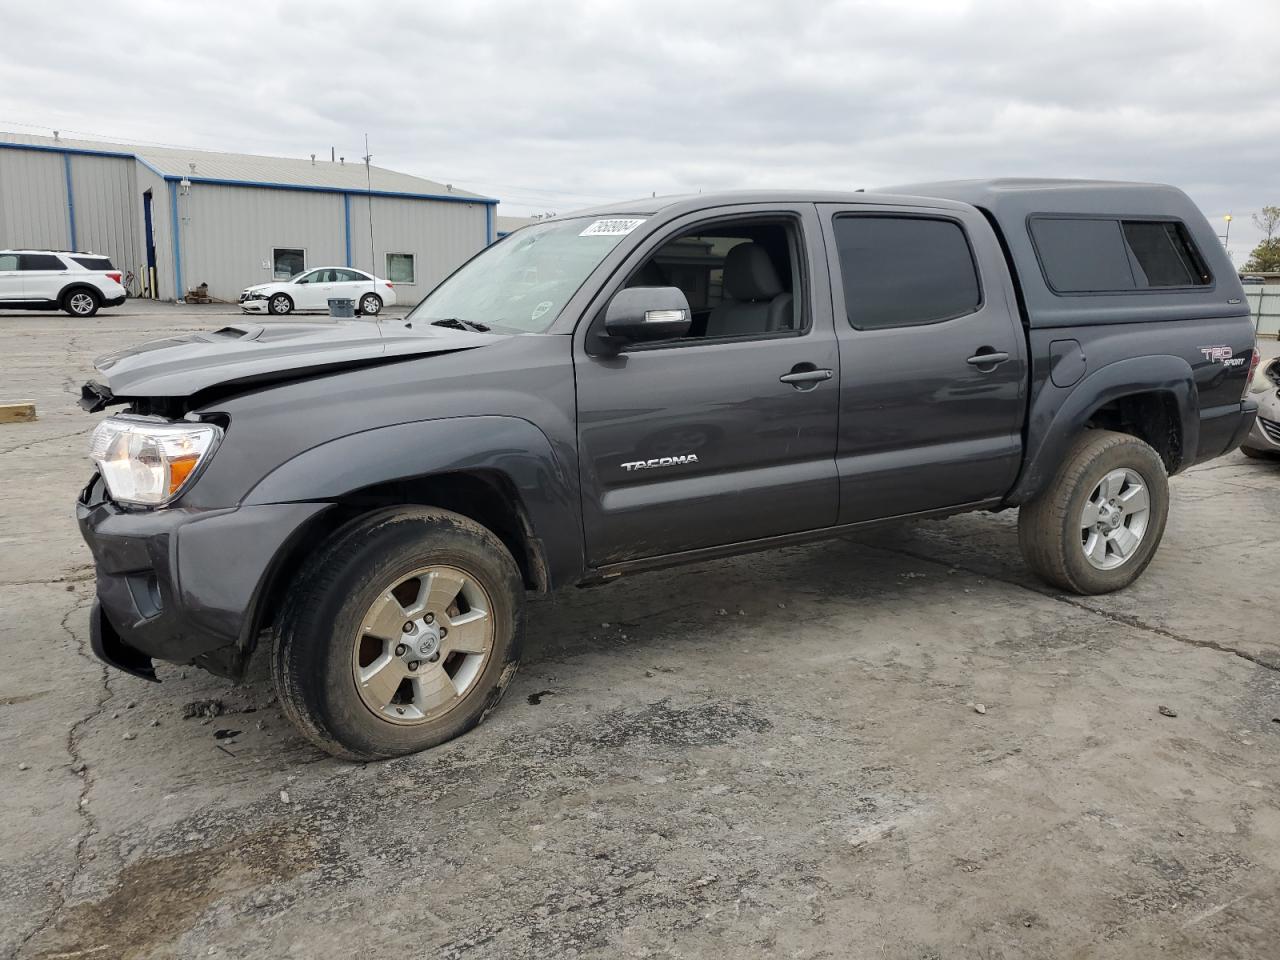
642, 314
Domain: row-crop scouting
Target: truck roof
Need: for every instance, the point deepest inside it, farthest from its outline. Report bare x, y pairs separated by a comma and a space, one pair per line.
1013, 207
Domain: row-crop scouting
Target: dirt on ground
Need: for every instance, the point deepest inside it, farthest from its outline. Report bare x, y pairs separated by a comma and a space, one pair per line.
895, 745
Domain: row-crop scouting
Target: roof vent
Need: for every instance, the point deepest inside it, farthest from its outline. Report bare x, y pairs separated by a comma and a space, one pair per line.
55, 136
192, 165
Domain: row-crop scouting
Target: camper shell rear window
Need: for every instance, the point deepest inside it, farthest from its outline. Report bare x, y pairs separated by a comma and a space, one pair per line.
1098, 254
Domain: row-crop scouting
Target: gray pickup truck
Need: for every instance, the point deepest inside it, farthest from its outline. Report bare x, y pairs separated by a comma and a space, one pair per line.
648, 384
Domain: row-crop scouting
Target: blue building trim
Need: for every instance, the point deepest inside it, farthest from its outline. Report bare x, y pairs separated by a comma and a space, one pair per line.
175, 177
177, 242
71, 202
346, 213
488, 226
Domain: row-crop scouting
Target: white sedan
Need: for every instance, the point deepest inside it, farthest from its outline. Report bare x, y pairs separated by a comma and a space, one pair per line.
312, 290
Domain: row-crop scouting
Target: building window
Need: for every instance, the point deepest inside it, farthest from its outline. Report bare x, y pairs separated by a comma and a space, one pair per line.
400, 267
287, 262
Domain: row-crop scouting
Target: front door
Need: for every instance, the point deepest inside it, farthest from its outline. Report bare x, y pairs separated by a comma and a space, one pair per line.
932, 358
728, 434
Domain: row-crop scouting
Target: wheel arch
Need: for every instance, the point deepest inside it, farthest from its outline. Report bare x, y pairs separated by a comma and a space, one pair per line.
1152, 398
499, 471
75, 286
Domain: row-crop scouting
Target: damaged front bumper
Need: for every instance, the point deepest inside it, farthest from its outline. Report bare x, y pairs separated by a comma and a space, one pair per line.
183, 585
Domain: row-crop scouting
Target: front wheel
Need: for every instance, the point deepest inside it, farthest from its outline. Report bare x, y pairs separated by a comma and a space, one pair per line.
280, 304
1254, 453
401, 633
370, 305
1097, 526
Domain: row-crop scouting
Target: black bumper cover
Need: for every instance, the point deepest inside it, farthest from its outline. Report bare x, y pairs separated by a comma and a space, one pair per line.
183, 585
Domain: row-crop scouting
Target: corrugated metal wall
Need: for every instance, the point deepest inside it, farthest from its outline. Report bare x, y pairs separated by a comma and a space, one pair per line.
33, 200
227, 233
439, 234
107, 219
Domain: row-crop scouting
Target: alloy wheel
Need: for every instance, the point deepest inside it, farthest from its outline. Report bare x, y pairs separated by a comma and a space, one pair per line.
1114, 519
422, 645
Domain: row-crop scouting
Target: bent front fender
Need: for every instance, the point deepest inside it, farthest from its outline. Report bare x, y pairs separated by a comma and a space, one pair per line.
509, 446
1058, 414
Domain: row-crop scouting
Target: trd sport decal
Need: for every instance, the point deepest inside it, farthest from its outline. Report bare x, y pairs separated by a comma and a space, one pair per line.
660, 462
1224, 355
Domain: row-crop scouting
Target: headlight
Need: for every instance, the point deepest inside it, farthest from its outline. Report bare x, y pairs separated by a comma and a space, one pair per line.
146, 461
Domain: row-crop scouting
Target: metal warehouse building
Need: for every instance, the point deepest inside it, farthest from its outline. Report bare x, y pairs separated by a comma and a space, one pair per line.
189, 217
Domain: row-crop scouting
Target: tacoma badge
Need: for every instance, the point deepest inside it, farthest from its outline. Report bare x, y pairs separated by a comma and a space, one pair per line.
660, 462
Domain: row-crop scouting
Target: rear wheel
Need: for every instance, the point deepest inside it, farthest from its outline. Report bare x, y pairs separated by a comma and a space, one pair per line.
280, 304
1097, 526
81, 303
402, 633
370, 305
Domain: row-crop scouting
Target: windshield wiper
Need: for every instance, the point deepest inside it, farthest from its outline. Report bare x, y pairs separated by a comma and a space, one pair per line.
459, 324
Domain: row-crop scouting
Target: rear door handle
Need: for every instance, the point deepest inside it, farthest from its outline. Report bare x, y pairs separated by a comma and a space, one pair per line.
992, 358
805, 376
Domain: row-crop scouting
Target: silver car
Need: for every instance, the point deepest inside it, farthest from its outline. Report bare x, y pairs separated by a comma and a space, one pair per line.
1263, 441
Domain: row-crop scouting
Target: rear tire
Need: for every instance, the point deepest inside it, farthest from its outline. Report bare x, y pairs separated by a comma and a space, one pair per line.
370, 305
280, 304
341, 628
1089, 532
81, 303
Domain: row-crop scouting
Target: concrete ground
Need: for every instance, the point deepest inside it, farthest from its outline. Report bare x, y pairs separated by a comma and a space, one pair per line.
774, 756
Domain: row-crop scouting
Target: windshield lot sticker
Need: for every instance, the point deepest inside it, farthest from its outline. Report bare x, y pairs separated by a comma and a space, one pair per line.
611, 228
540, 309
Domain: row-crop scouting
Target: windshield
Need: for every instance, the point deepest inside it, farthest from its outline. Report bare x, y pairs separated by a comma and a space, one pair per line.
521, 284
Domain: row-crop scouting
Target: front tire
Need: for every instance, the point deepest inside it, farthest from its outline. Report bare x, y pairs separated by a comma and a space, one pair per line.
1254, 453
370, 305
280, 304
81, 303
401, 633
1098, 524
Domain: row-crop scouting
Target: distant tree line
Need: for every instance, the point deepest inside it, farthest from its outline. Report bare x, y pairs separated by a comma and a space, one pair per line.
1266, 255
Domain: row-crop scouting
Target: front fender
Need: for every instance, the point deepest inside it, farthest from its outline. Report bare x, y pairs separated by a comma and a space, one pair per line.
1058, 414
509, 446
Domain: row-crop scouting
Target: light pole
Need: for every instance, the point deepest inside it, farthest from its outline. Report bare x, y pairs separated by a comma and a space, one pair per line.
1226, 237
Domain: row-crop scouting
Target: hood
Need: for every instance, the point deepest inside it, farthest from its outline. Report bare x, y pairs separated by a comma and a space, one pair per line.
260, 353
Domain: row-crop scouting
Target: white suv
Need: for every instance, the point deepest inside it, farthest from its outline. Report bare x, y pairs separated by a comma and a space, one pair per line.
78, 283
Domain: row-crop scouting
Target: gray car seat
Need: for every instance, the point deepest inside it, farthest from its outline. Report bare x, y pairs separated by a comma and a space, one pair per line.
759, 304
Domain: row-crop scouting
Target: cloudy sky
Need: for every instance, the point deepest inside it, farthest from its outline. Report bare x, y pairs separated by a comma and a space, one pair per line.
557, 105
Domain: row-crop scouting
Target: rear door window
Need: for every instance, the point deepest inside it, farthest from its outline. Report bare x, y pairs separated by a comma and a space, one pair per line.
904, 271
40, 261
8, 261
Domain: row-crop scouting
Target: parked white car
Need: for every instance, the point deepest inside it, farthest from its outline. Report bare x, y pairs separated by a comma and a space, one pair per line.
313, 289
79, 283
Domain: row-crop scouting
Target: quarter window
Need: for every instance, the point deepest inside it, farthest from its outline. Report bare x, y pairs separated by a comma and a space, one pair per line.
904, 271
287, 262
94, 263
400, 267
1109, 255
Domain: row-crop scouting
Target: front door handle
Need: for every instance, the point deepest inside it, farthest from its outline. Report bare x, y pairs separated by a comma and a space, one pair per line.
805, 376
987, 357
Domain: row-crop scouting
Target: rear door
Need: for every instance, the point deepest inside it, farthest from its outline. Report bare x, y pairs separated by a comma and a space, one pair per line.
43, 275
701, 442
932, 358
